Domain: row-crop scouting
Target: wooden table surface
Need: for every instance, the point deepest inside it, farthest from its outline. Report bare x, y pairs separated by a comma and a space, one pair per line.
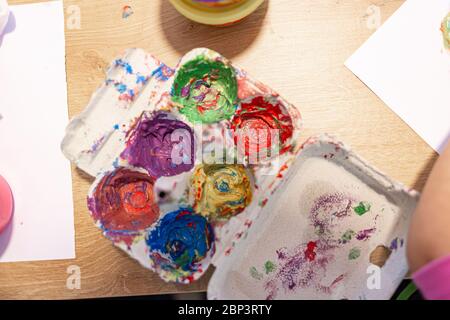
296, 47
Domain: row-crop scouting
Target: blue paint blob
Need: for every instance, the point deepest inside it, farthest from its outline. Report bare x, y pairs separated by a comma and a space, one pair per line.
141, 79
121, 87
184, 237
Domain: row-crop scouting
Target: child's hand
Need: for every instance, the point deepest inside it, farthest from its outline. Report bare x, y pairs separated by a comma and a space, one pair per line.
429, 234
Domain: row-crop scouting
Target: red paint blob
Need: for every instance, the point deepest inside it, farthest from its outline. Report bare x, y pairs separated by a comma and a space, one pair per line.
124, 201
255, 121
310, 254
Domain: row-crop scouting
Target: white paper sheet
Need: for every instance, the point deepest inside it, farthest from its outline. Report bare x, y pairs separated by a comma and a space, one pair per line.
33, 108
406, 65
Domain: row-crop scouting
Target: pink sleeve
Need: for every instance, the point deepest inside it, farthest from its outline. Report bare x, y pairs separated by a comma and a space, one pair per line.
433, 279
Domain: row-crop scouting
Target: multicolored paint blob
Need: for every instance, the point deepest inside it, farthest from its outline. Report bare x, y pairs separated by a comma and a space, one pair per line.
445, 28
123, 202
362, 208
264, 125
205, 90
179, 242
162, 145
220, 191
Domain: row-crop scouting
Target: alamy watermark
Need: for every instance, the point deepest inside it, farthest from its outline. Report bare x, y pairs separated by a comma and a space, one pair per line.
73, 17
73, 281
373, 17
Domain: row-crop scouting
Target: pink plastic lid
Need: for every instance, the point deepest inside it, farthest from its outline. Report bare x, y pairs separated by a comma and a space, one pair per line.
6, 204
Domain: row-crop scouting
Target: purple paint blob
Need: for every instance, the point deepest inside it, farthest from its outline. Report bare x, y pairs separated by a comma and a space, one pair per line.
364, 235
394, 244
162, 145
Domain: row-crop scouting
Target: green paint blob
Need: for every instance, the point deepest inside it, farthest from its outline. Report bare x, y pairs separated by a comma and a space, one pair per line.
445, 28
354, 253
269, 266
255, 274
362, 208
205, 90
347, 236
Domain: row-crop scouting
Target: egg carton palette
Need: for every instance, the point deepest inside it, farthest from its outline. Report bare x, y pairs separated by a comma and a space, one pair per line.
336, 231
176, 187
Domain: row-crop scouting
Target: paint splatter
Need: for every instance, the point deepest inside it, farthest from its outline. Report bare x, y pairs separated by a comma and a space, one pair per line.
269, 266
380, 255
364, 235
295, 269
127, 11
362, 208
354, 253
347, 236
255, 274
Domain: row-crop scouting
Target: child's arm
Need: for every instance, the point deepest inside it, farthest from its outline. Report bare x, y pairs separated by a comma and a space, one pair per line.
429, 234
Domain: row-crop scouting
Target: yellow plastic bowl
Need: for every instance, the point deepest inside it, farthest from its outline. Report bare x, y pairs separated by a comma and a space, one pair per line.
218, 16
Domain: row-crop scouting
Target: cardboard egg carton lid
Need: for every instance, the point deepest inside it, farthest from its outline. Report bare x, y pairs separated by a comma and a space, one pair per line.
337, 231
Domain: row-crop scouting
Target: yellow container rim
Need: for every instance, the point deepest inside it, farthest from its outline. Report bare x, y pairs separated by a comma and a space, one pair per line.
215, 15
